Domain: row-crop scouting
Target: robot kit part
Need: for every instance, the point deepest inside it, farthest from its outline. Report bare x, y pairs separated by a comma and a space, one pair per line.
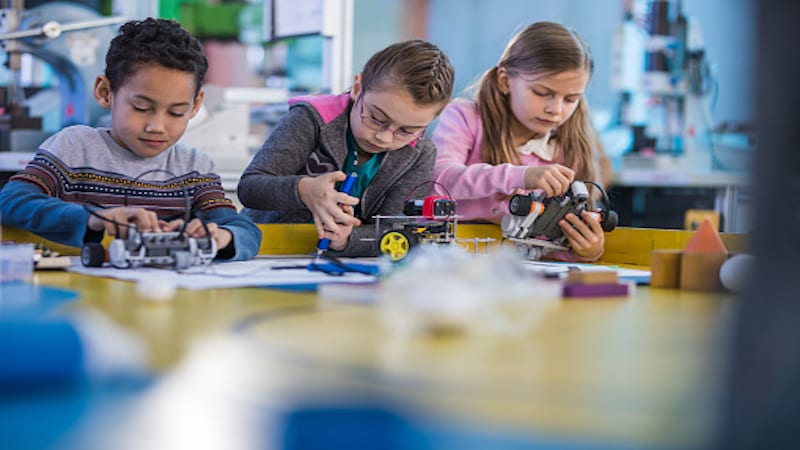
430, 207
173, 249
533, 216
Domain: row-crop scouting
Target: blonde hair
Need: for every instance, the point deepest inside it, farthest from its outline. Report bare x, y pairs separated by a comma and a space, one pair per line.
540, 48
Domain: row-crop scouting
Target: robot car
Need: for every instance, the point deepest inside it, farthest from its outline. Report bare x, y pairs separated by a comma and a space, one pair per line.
431, 220
533, 220
173, 249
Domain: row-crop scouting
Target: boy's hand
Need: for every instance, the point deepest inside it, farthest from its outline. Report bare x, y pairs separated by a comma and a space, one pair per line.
120, 217
195, 229
221, 236
585, 236
174, 225
320, 196
553, 179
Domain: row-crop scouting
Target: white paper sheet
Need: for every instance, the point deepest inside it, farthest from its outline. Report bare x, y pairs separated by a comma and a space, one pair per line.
259, 272
561, 268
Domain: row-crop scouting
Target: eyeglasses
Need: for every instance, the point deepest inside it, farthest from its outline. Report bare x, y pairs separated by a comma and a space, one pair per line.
382, 125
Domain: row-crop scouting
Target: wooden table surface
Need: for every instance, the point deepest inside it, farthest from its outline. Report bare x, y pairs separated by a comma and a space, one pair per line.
642, 370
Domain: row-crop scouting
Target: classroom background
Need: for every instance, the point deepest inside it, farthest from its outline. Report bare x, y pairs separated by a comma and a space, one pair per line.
678, 89
671, 92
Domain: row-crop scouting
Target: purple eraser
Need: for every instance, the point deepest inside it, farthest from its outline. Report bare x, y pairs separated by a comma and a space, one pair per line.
595, 290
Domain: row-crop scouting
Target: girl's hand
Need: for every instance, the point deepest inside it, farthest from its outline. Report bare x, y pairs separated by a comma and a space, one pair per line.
320, 196
342, 236
120, 217
585, 235
553, 179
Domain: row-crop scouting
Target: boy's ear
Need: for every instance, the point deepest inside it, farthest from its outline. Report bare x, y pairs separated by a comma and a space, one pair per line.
502, 80
197, 103
102, 91
356, 90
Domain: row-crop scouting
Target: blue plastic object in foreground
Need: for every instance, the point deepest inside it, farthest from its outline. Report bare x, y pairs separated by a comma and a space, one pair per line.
39, 354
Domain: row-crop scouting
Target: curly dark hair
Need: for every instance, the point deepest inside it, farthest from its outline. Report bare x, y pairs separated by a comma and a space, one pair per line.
154, 41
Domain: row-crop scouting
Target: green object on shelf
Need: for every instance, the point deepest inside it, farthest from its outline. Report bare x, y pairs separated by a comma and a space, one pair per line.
171, 9
217, 21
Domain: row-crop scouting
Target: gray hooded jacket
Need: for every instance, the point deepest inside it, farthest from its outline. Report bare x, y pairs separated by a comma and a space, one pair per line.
311, 140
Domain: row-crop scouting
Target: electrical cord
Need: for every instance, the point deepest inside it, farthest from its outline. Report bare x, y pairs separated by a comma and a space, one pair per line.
606, 201
187, 214
433, 182
93, 207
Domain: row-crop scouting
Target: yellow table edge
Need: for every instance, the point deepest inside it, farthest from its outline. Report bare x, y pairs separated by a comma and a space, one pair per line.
624, 245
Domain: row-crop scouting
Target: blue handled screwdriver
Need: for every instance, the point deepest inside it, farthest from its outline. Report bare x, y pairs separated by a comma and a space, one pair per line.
347, 186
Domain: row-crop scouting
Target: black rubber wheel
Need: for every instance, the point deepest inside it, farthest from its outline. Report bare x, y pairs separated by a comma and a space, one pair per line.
520, 205
610, 221
93, 254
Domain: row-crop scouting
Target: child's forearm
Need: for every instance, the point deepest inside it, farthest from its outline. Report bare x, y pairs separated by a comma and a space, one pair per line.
25, 206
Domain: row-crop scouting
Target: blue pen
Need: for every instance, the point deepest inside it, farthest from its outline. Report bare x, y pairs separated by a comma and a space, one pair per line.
347, 187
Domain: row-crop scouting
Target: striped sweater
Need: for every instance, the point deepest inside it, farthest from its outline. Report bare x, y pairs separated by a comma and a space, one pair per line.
82, 165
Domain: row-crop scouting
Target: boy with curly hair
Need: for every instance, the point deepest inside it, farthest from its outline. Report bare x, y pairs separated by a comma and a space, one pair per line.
136, 170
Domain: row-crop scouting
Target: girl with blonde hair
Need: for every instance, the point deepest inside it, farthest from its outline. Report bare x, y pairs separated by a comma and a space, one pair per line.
528, 128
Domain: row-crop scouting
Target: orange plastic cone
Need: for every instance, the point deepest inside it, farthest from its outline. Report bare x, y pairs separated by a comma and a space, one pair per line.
705, 240
702, 258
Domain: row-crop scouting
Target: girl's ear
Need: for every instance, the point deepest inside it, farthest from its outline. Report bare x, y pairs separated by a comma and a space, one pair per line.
102, 91
356, 90
197, 103
502, 79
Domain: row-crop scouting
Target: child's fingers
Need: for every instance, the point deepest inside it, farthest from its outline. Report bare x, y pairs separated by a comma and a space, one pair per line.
117, 224
170, 226
195, 228
318, 226
550, 185
212, 227
120, 219
351, 211
192, 226
591, 219
557, 181
334, 177
575, 228
577, 241
585, 236
568, 173
345, 199
222, 237
326, 223
331, 235
145, 220
342, 217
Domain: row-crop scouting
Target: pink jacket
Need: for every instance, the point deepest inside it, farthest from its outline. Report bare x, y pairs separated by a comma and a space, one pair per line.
481, 190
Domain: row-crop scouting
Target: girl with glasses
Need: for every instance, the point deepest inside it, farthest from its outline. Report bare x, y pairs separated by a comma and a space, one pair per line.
528, 128
375, 131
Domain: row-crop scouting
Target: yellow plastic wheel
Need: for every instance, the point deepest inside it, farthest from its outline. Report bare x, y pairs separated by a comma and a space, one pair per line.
395, 244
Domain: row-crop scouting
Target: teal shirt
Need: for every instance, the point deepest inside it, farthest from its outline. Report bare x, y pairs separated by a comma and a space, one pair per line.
366, 172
